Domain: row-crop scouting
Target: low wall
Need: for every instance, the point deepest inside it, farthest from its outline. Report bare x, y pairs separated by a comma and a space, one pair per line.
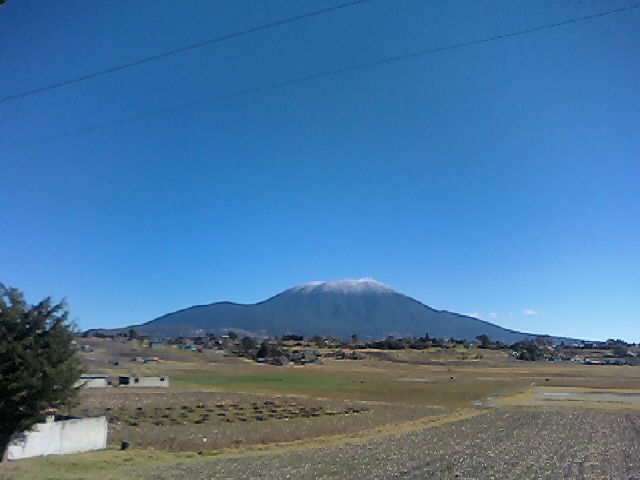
92, 382
156, 382
138, 382
56, 438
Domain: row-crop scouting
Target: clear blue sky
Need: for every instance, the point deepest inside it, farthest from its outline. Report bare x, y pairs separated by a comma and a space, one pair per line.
501, 179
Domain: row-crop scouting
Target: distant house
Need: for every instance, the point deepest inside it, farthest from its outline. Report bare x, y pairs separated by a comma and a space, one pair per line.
143, 382
156, 344
304, 357
592, 361
614, 361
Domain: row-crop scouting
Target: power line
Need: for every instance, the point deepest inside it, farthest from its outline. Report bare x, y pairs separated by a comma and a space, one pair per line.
180, 50
328, 73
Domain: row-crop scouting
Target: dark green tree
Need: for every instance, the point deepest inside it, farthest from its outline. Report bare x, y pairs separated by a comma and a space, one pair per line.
484, 340
528, 350
620, 351
38, 362
263, 351
247, 344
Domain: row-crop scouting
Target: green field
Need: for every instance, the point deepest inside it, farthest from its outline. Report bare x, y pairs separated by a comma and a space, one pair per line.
352, 382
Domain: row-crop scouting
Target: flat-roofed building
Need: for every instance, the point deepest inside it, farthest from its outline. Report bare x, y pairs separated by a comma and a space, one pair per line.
143, 382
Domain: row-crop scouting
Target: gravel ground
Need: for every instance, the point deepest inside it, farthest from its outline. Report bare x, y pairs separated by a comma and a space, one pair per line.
501, 444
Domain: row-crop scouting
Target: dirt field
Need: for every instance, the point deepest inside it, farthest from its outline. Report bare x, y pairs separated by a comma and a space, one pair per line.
209, 421
497, 445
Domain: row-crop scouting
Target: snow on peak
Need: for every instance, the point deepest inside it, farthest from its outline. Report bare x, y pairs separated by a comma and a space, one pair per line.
358, 285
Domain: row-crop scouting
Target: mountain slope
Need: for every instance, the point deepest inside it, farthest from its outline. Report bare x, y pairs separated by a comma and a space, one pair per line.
340, 308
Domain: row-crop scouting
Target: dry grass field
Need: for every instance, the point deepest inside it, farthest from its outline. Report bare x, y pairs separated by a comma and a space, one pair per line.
409, 414
210, 421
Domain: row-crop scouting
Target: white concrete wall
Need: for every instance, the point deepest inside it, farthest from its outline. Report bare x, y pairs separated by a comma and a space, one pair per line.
92, 382
56, 438
148, 382
151, 382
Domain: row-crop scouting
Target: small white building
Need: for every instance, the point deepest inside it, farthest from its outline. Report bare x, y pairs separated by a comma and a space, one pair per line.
60, 437
143, 382
92, 380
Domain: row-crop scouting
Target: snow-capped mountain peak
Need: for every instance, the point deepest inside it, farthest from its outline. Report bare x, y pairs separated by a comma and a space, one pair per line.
357, 285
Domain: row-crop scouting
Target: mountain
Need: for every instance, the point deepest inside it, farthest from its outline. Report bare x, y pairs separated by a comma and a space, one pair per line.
340, 308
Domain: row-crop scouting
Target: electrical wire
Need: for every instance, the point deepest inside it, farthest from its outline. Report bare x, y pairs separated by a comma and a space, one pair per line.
180, 50
328, 73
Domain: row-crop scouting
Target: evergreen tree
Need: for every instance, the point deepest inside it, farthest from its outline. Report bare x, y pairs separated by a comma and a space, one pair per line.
38, 363
263, 351
485, 341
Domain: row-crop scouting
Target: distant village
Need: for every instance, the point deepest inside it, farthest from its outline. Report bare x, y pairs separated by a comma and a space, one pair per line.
293, 349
